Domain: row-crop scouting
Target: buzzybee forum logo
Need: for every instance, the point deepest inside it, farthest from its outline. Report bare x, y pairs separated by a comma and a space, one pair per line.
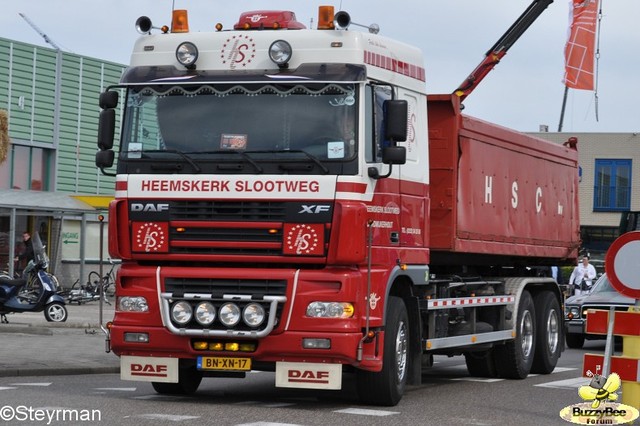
600, 406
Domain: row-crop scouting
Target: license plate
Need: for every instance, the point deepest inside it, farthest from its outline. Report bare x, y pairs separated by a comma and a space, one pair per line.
224, 363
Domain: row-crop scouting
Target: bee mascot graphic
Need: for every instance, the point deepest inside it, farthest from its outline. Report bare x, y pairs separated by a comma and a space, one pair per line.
600, 389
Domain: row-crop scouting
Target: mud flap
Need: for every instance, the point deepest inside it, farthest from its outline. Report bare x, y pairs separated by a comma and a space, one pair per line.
149, 369
308, 375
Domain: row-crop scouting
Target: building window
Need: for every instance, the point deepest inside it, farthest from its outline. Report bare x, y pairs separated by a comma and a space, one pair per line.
26, 168
612, 185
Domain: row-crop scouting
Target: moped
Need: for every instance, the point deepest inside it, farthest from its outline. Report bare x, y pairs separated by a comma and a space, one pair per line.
35, 291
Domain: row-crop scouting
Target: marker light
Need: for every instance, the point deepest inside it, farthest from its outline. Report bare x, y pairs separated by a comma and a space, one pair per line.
280, 53
180, 21
187, 54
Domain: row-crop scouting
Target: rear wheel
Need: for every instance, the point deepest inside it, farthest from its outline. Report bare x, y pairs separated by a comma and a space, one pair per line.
387, 386
514, 358
548, 323
575, 341
188, 381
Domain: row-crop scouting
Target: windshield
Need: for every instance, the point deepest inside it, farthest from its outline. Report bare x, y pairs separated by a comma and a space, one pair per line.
603, 286
318, 119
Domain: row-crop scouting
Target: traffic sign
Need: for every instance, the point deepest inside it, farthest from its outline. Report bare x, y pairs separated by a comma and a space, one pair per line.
622, 264
627, 368
625, 323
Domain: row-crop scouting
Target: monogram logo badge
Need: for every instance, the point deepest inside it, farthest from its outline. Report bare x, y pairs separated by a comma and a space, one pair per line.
150, 237
303, 239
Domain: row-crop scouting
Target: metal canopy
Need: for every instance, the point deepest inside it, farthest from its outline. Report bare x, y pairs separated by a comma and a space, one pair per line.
42, 202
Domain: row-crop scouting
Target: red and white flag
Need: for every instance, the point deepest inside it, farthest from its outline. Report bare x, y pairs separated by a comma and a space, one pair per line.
579, 52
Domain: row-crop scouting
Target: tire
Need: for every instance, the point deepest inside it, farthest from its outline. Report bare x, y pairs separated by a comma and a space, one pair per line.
188, 381
55, 312
109, 289
515, 358
548, 331
94, 280
387, 386
575, 341
481, 364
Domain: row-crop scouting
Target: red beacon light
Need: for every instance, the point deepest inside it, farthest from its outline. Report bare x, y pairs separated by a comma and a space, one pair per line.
268, 20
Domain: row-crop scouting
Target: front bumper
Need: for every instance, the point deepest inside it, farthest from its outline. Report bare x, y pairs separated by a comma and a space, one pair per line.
281, 347
575, 326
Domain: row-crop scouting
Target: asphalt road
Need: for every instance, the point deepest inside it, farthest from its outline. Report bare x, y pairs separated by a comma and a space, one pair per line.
448, 396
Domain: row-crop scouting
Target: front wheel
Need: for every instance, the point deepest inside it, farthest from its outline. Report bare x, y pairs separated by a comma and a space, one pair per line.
514, 358
188, 382
548, 342
55, 312
387, 386
575, 341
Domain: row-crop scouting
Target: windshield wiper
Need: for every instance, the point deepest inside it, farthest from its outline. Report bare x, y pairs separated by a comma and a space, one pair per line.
188, 159
249, 160
243, 154
313, 158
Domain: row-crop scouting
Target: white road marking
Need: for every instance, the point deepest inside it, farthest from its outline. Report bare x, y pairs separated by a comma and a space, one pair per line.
267, 424
31, 384
566, 384
556, 370
7, 388
476, 379
280, 404
165, 417
116, 389
367, 412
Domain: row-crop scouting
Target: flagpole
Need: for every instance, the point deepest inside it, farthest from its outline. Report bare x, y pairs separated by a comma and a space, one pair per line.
564, 104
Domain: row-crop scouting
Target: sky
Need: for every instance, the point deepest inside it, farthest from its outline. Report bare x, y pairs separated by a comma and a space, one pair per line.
523, 92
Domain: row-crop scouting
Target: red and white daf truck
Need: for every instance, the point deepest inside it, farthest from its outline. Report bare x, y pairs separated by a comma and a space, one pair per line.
292, 200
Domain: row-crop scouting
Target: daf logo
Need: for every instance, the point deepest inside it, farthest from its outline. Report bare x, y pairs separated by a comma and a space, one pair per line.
314, 209
149, 207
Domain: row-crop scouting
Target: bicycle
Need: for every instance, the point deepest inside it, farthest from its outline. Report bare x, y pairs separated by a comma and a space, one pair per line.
108, 280
89, 292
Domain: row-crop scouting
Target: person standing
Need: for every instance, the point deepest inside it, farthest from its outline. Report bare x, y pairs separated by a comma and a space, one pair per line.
27, 255
582, 276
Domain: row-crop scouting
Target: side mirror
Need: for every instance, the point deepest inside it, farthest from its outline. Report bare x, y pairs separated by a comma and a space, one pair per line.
104, 159
106, 128
108, 99
394, 155
396, 117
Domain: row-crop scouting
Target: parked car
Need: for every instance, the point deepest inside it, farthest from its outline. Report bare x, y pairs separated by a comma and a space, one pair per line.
602, 296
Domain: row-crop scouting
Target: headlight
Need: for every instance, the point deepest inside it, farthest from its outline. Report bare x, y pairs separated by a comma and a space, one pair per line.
253, 315
572, 312
280, 52
181, 312
330, 310
229, 314
187, 54
132, 304
205, 313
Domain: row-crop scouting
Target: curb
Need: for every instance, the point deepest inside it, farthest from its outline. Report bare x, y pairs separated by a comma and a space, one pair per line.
45, 329
26, 329
62, 371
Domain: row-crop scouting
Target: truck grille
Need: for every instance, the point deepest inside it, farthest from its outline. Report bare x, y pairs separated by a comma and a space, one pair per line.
234, 228
236, 211
224, 286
